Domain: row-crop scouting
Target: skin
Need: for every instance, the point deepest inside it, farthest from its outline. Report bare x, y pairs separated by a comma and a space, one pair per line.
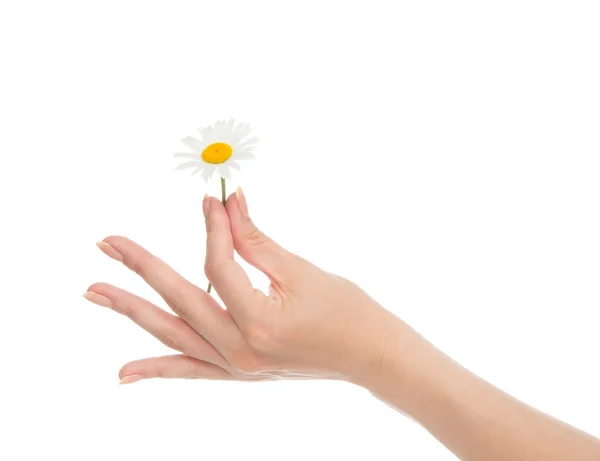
315, 325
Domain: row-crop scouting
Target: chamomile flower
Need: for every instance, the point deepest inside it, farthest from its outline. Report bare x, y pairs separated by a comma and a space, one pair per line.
219, 149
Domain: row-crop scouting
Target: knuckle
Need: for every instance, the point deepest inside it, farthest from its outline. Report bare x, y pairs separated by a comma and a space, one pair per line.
213, 268
177, 309
180, 302
170, 341
263, 337
159, 371
144, 265
128, 310
208, 269
124, 307
256, 238
210, 227
247, 362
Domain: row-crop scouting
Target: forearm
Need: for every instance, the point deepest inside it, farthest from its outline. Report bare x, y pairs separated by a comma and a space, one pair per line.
472, 418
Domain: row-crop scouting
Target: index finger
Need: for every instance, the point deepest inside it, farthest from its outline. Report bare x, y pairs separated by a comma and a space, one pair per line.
229, 279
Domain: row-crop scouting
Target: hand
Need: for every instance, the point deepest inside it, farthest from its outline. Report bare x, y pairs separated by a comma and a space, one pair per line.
316, 325
312, 324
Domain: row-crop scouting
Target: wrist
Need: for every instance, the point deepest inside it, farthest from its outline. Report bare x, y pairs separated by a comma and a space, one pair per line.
404, 368
381, 350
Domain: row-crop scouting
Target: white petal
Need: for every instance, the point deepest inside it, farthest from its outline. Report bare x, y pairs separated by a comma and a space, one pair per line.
207, 134
208, 172
233, 164
223, 133
240, 133
197, 170
227, 131
248, 143
237, 128
186, 155
183, 166
246, 148
217, 130
229, 126
193, 143
224, 171
243, 155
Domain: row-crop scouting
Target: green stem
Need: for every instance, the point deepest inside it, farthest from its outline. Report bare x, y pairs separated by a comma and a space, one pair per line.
224, 200
223, 196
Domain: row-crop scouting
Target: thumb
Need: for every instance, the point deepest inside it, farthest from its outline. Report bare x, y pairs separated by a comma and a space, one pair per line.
254, 246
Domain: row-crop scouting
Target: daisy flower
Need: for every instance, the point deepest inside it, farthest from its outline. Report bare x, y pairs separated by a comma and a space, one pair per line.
219, 149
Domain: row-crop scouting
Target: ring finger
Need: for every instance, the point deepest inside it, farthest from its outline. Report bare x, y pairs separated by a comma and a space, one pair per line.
169, 329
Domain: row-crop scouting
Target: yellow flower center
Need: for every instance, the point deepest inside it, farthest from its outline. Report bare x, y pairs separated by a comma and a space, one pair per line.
217, 152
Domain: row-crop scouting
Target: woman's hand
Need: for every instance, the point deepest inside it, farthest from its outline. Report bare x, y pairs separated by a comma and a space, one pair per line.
312, 324
315, 325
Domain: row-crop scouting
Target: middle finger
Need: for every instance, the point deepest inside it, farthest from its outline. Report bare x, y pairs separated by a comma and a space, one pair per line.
186, 300
168, 329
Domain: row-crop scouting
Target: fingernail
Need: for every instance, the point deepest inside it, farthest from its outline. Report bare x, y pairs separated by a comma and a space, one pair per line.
241, 198
131, 379
206, 205
110, 251
97, 299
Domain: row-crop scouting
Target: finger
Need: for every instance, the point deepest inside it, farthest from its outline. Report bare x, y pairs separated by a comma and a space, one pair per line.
188, 301
226, 275
254, 246
169, 329
171, 366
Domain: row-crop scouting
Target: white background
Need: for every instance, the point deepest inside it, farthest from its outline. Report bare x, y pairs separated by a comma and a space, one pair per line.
443, 155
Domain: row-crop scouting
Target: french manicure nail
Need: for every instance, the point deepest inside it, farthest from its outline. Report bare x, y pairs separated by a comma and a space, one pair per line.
110, 251
241, 198
131, 379
206, 205
98, 299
